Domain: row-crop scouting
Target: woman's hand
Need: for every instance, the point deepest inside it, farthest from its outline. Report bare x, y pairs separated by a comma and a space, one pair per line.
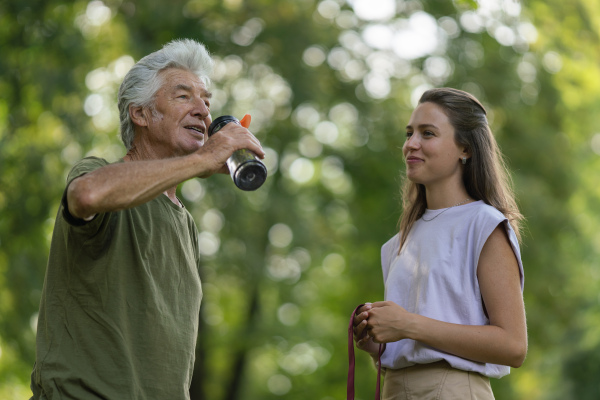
361, 337
388, 322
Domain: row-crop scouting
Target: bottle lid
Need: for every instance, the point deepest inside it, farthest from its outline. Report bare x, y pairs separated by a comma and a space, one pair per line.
220, 122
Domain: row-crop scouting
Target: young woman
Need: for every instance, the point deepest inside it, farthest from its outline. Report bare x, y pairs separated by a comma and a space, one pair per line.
453, 314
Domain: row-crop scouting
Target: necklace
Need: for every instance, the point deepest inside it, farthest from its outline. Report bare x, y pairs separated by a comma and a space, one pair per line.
440, 213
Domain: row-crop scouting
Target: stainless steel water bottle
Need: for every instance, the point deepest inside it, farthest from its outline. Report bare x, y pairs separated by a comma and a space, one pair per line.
246, 169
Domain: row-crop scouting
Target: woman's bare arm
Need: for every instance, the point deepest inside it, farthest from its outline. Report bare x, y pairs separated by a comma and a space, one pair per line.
503, 342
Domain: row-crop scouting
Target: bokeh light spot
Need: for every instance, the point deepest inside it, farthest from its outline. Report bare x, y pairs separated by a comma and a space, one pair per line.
279, 384
288, 314
334, 264
280, 235
193, 190
302, 170
314, 56
212, 221
326, 132
97, 13
552, 62
380, 10
208, 243
418, 38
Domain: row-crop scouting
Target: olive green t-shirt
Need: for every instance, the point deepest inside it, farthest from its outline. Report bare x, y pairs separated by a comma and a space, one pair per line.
120, 306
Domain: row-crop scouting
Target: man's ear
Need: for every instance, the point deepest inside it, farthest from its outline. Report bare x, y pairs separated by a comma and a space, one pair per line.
138, 115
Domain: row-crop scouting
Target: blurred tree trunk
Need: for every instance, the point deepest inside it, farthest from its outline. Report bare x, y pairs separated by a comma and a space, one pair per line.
234, 388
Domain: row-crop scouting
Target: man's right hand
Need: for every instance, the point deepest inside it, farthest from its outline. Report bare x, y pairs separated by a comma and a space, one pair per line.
220, 146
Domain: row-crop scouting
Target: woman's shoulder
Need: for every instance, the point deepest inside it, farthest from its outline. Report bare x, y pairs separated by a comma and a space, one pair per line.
486, 218
483, 211
388, 252
394, 241
390, 247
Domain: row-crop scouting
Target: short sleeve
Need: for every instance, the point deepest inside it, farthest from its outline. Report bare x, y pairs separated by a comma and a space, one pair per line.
488, 220
388, 252
82, 167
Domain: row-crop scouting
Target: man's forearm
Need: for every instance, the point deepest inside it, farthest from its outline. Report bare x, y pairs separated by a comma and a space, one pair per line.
129, 184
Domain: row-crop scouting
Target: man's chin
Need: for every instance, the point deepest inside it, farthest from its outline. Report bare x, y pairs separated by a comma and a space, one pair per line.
193, 147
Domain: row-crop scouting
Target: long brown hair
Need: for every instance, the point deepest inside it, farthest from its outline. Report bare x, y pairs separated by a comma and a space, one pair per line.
485, 174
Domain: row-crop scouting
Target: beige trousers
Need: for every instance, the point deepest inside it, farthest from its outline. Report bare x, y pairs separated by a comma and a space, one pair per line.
436, 381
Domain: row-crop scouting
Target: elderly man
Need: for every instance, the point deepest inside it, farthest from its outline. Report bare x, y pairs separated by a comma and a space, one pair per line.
120, 305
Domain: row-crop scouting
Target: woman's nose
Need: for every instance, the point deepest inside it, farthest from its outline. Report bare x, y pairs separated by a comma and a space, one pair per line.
412, 142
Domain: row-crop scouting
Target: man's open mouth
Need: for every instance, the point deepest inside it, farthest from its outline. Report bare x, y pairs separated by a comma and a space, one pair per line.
195, 128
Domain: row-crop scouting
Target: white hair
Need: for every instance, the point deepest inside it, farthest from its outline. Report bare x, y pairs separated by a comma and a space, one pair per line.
142, 82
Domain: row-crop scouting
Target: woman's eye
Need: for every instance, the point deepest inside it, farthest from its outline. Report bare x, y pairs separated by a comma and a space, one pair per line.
428, 133
408, 134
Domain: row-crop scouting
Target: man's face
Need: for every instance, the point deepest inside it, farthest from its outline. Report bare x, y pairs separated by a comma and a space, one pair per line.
182, 114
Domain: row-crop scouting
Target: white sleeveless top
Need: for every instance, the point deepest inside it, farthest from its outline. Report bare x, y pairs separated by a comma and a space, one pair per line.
435, 275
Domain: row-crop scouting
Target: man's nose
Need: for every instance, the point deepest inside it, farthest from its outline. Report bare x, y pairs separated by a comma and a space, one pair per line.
200, 109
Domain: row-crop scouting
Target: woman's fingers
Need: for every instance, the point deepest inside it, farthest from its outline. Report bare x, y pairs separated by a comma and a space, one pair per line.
358, 318
362, 343
360, 329
362, 313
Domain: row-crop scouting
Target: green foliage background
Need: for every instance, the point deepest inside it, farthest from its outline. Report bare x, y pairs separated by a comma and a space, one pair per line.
284, 266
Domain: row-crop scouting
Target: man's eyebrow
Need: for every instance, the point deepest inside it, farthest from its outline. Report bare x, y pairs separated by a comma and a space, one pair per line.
188, 88
422, 126
181, 86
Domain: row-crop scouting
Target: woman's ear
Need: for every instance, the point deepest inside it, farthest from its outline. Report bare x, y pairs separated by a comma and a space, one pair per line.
466, 153
138, 115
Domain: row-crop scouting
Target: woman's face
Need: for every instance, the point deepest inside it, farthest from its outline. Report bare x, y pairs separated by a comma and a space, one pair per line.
431, 154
